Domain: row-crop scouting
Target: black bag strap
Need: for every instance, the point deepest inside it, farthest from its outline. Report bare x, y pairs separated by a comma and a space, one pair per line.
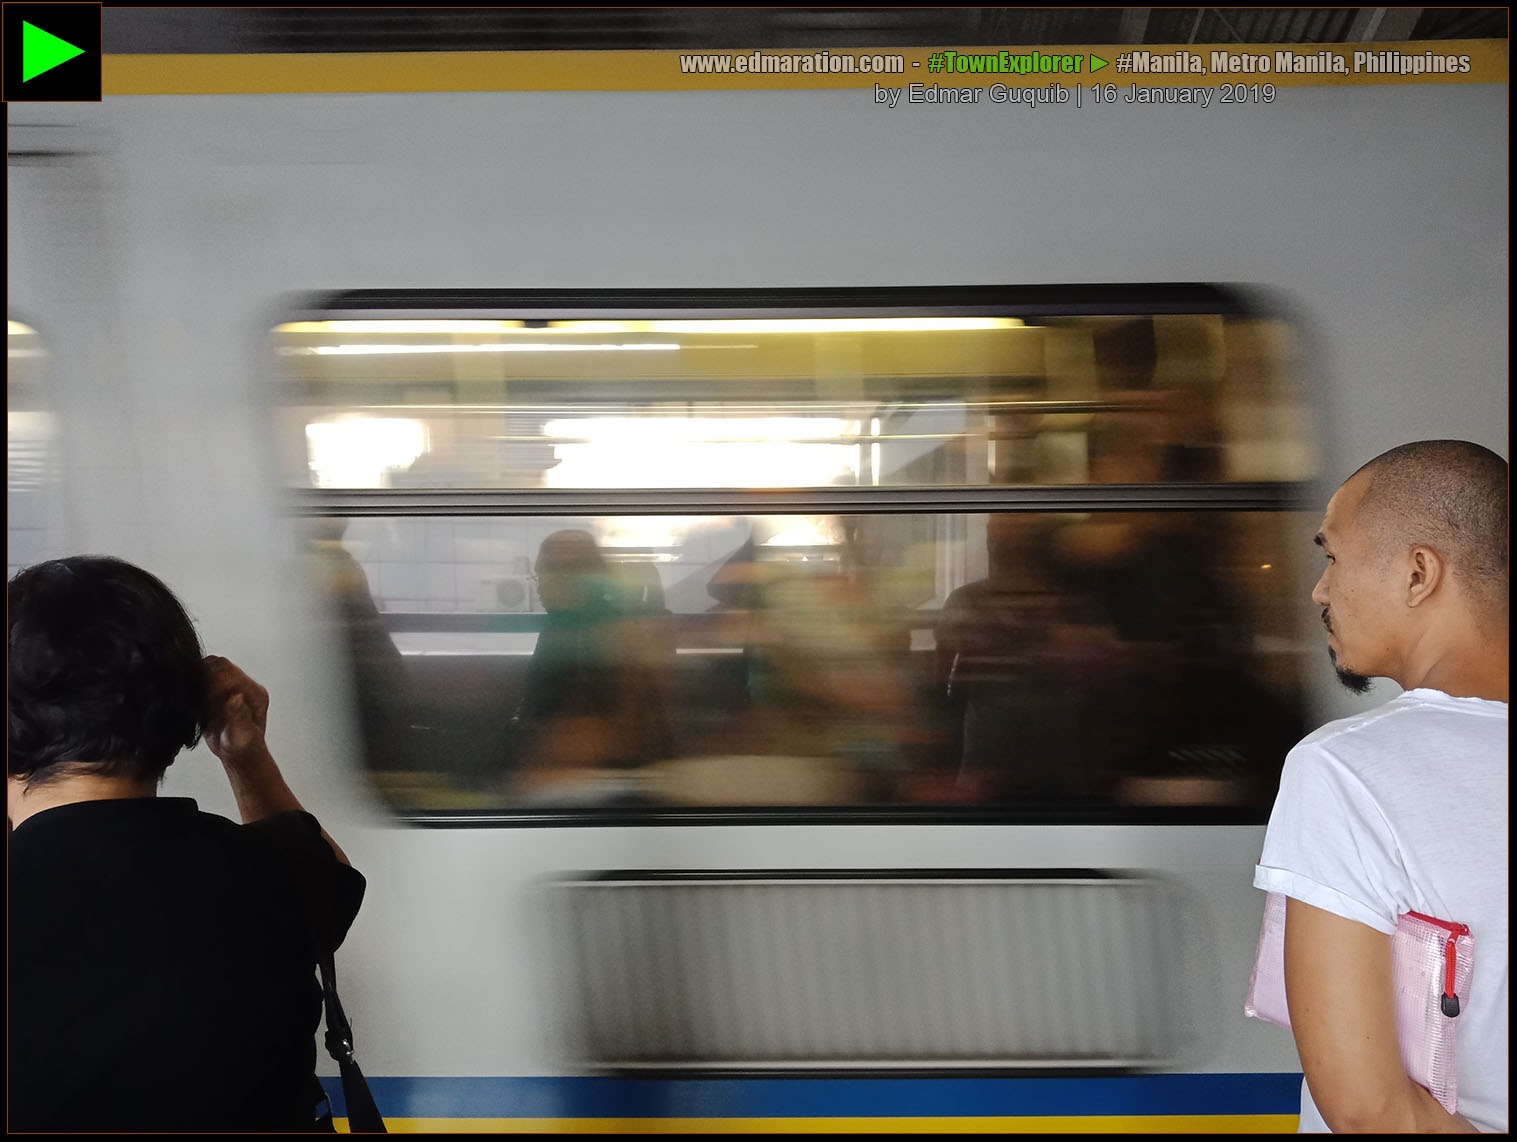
281, 831
363, 1114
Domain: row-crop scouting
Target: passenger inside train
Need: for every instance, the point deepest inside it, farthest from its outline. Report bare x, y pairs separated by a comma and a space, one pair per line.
1009, 651
591, 707
383, 696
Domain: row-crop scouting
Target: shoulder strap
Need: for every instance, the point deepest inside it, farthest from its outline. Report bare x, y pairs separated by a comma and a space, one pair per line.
363, 1114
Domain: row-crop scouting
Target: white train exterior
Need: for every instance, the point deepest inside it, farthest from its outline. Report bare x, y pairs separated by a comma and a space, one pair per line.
156, 239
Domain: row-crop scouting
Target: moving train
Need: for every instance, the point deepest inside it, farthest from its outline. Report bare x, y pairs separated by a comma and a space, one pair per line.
797, 605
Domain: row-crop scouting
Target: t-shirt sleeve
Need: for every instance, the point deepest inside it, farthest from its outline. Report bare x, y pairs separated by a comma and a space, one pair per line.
327, 891
1329, 845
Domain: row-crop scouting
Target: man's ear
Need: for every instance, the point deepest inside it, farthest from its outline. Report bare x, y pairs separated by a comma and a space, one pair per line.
1425, 574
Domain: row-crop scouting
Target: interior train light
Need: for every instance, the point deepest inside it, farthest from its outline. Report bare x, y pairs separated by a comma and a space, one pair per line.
643, 431
696, 325
700, 452
837, 325
400, 327
494, 347
20, 329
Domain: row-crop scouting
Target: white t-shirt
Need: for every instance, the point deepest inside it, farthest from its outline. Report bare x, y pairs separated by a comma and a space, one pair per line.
1404, 809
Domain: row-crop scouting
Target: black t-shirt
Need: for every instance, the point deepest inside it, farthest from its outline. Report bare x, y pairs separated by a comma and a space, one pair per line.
162, 968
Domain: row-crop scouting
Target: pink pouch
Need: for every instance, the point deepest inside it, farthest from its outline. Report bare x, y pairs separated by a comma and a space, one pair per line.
1431, 961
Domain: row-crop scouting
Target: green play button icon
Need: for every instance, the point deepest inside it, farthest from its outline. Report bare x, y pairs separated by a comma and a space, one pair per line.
42, 51
52, 53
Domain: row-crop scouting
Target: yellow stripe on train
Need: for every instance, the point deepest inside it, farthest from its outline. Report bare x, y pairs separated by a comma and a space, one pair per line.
1480, 61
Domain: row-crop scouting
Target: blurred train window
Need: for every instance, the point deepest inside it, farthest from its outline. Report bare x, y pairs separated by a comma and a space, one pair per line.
33, 488
1044, 563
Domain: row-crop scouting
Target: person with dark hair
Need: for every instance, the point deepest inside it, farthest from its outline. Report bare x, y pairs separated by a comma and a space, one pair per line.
162, 964
1404, 808
1016, 720
383, 698
586, 714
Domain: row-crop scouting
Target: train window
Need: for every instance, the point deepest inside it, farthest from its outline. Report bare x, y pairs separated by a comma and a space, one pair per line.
33, 488
990, 559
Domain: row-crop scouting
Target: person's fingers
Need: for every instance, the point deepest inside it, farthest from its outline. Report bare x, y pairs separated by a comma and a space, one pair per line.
238, 716
258, 701
221, 679
234, 730
225, 679
217, 668
253, 701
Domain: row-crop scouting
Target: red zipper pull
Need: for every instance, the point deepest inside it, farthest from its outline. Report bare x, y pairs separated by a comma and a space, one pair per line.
1450, 1002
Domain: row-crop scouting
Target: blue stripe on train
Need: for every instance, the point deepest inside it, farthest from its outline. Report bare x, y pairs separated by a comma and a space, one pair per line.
594, 1097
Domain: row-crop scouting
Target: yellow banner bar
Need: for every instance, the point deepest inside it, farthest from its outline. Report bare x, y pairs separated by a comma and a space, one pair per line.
1150, 65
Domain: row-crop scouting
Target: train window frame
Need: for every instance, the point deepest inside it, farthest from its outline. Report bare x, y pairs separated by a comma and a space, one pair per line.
1054, 301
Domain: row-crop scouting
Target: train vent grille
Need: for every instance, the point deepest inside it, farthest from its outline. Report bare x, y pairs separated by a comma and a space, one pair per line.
1016, 971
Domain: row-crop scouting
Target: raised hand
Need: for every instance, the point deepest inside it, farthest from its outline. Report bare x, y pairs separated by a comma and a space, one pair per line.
236, 713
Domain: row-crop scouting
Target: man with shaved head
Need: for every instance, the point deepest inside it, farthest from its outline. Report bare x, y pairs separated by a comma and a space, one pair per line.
1404, 808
